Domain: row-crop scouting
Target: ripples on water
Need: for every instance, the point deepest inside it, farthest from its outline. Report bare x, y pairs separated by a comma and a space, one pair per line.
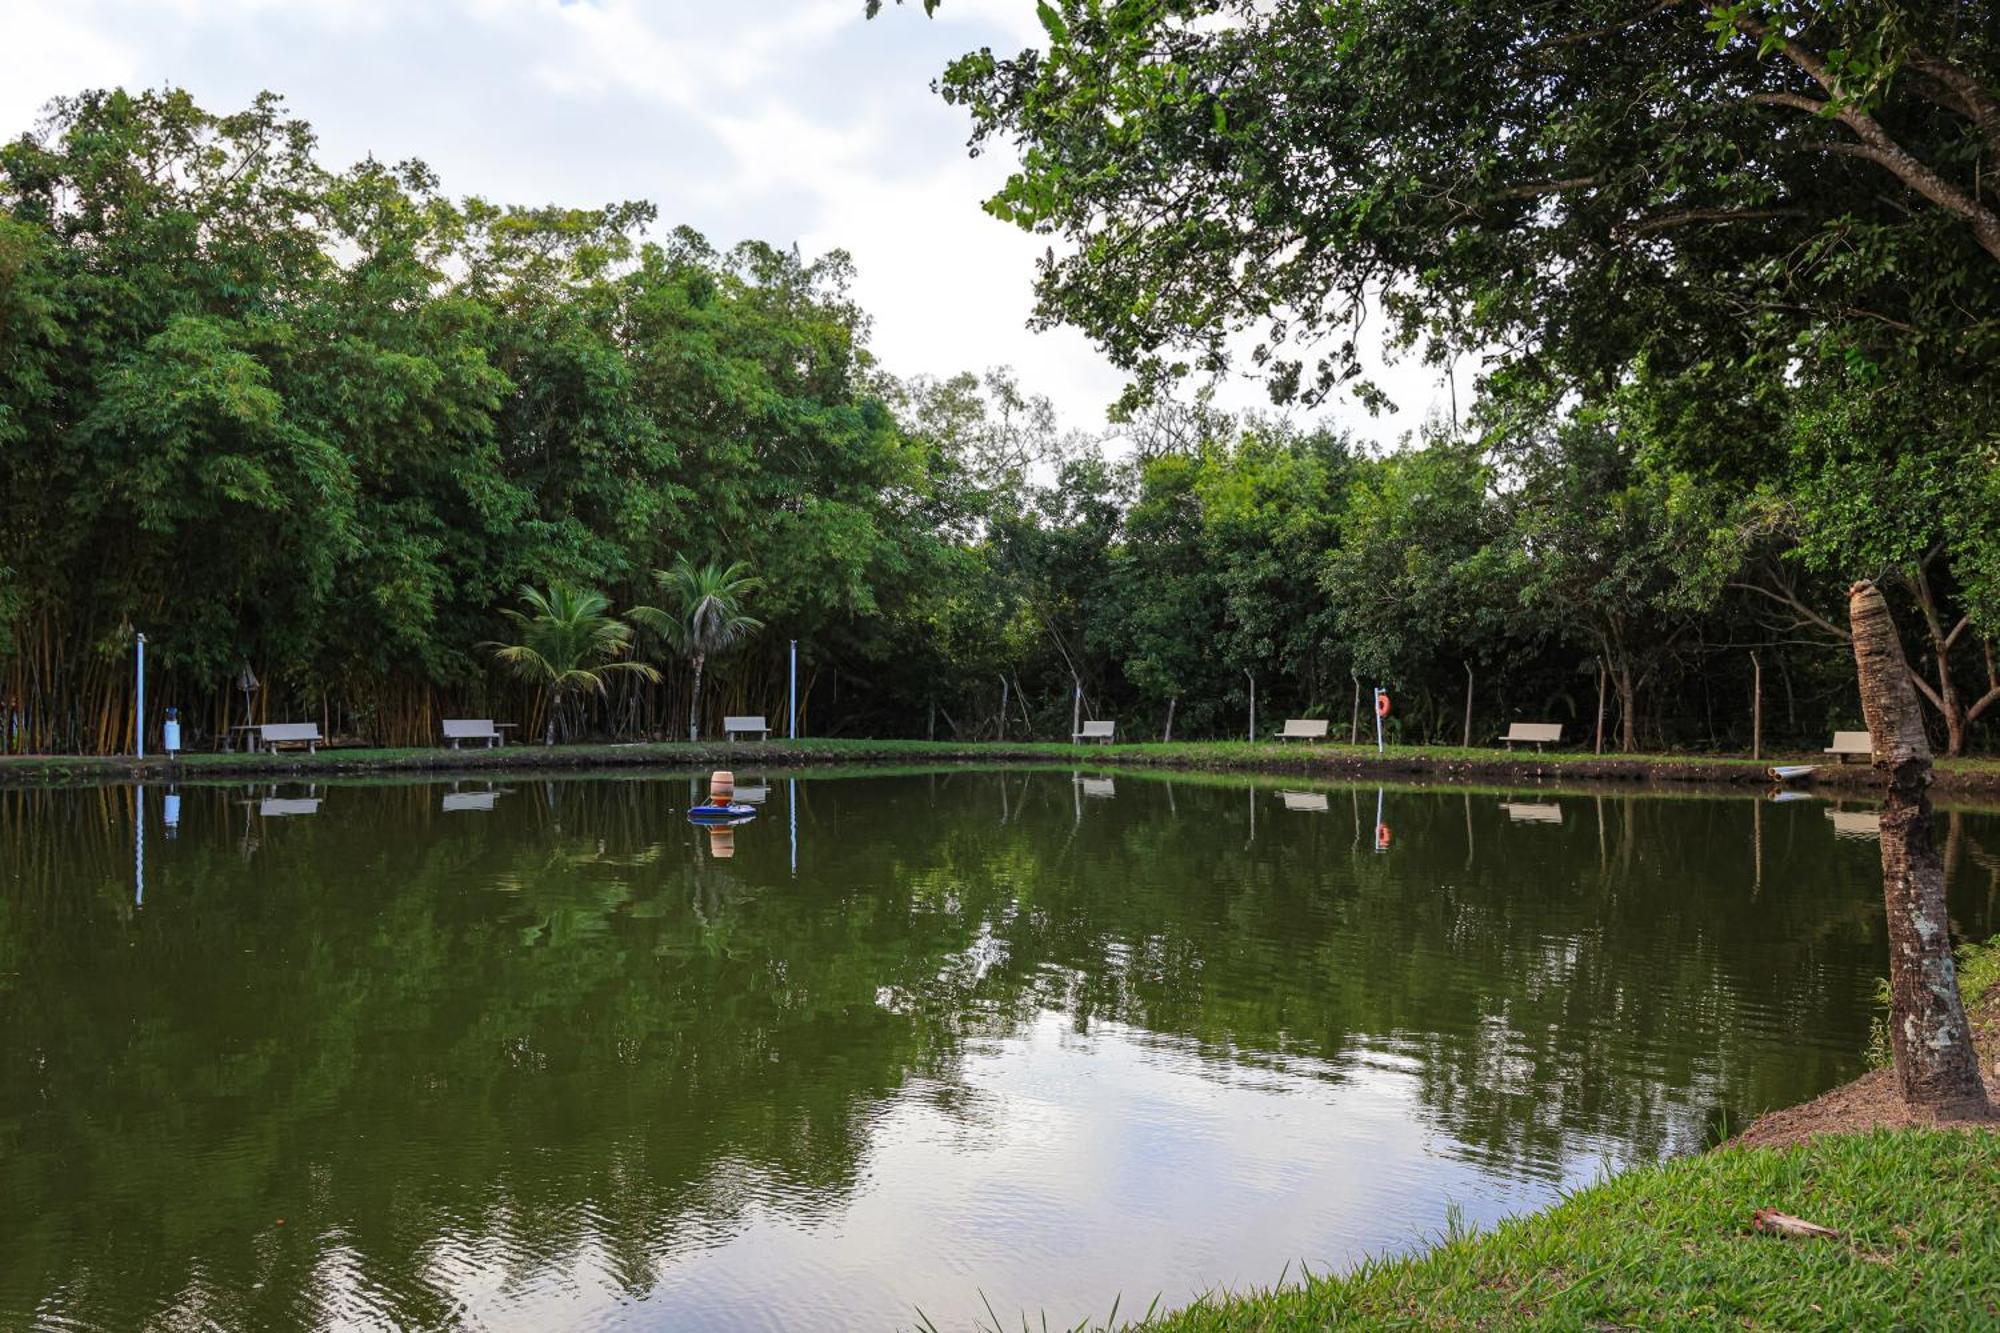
542, 1056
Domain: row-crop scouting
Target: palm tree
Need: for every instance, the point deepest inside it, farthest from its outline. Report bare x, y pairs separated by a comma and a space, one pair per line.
570, 644
706, 617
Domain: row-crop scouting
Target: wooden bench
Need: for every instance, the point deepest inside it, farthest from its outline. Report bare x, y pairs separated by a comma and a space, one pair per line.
1850, 743
1303, 729
732, 726
1536, 734
1101, 732
458, 729
275, 734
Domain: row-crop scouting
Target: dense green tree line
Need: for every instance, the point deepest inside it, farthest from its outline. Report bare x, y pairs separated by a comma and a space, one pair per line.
327, 424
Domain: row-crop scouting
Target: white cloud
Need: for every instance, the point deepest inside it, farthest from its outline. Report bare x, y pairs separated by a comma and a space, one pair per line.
782, 120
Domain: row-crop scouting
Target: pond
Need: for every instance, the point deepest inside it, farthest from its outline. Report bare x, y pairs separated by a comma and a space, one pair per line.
536, 1054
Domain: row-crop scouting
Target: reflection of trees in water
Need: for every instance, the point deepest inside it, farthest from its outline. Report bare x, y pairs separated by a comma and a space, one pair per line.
560, 1033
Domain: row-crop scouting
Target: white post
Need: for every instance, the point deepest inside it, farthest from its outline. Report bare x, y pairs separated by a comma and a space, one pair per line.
139, 845
1378, 719
792, 697
1253, 704
139, 728
1076, 711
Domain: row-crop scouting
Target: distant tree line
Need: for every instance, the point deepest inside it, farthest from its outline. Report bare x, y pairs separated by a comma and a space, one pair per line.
323, 427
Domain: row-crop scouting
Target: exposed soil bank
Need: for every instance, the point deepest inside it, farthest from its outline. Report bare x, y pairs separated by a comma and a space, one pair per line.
1328, 761
1873, 1100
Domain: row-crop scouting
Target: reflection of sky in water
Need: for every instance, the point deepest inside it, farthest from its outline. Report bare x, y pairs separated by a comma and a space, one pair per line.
1062, 1157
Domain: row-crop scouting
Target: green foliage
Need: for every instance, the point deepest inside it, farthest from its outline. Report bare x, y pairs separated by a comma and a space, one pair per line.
707, 617
569, 645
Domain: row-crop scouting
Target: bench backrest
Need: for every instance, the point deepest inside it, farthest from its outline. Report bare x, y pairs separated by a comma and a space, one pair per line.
1851, 742
1305, 728
1540, 732
469, 728
744, 724
291, 731
1097, 729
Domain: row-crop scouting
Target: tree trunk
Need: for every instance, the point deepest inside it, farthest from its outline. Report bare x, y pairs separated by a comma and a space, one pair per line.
1600, 705
1354, 718
694, 700
1168, 738
1937, 1068
1628, 698
1756, 707
1003, 710
1465, 742
549, 707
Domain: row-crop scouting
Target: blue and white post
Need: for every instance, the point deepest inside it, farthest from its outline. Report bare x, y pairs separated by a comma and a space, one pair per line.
792, 697
1380, 695
139, 727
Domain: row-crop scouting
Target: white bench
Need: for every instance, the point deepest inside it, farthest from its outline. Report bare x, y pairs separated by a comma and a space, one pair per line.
274, 734
733, 726
1536, 734
458, 729
1303, 729
1101, 732
1850, 743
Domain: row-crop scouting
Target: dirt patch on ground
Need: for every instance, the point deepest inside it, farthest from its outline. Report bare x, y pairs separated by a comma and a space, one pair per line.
1873, 1102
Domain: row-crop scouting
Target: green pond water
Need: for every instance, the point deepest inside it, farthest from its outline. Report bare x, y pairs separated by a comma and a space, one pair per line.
539, 1055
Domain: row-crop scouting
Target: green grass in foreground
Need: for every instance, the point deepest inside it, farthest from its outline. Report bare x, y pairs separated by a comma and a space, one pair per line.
1672, 1247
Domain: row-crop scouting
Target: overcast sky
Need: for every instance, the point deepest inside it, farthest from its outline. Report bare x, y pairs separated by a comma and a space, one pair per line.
790, 121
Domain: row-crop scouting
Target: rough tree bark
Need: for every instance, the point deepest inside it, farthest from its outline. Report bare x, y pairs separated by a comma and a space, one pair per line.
1937, 1067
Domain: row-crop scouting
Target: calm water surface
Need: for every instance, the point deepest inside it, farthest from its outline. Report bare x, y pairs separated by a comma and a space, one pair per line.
538, 1055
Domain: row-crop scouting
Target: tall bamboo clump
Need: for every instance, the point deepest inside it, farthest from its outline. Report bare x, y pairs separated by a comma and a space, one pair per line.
1937, 1067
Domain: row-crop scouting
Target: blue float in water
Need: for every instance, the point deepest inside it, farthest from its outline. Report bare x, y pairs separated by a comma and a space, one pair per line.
721, 814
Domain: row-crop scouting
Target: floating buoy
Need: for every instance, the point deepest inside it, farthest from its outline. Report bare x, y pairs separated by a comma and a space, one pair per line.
721, 813
721, 787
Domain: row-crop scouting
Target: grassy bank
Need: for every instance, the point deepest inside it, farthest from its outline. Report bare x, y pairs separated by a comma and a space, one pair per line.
1673, 1247
1339, 761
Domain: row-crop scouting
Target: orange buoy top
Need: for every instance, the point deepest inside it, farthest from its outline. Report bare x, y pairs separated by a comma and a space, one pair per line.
721, 787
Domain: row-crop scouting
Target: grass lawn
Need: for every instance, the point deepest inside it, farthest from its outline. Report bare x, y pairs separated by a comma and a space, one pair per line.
1672, 1247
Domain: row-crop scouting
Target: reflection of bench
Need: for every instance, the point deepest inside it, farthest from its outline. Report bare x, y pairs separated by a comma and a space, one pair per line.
1856, 823
458, 729
275, 734
273, 807
1101, 732
1098, 786
1536, 734
753, 795
470, 800
1527, 812
1303, 729
732, 726
1850, 743
1305, 800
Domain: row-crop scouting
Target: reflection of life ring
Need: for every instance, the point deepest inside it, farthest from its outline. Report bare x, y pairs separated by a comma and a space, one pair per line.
1381, 837
1381, 703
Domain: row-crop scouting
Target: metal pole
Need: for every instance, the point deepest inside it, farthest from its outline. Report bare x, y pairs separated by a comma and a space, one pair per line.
139, 728
792, 696
1253, 703
1076, 712
792, 813
139, 845
1378, 719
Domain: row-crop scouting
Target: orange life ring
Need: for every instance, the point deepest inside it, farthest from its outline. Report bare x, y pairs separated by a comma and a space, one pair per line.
1381, 837
1381, 703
